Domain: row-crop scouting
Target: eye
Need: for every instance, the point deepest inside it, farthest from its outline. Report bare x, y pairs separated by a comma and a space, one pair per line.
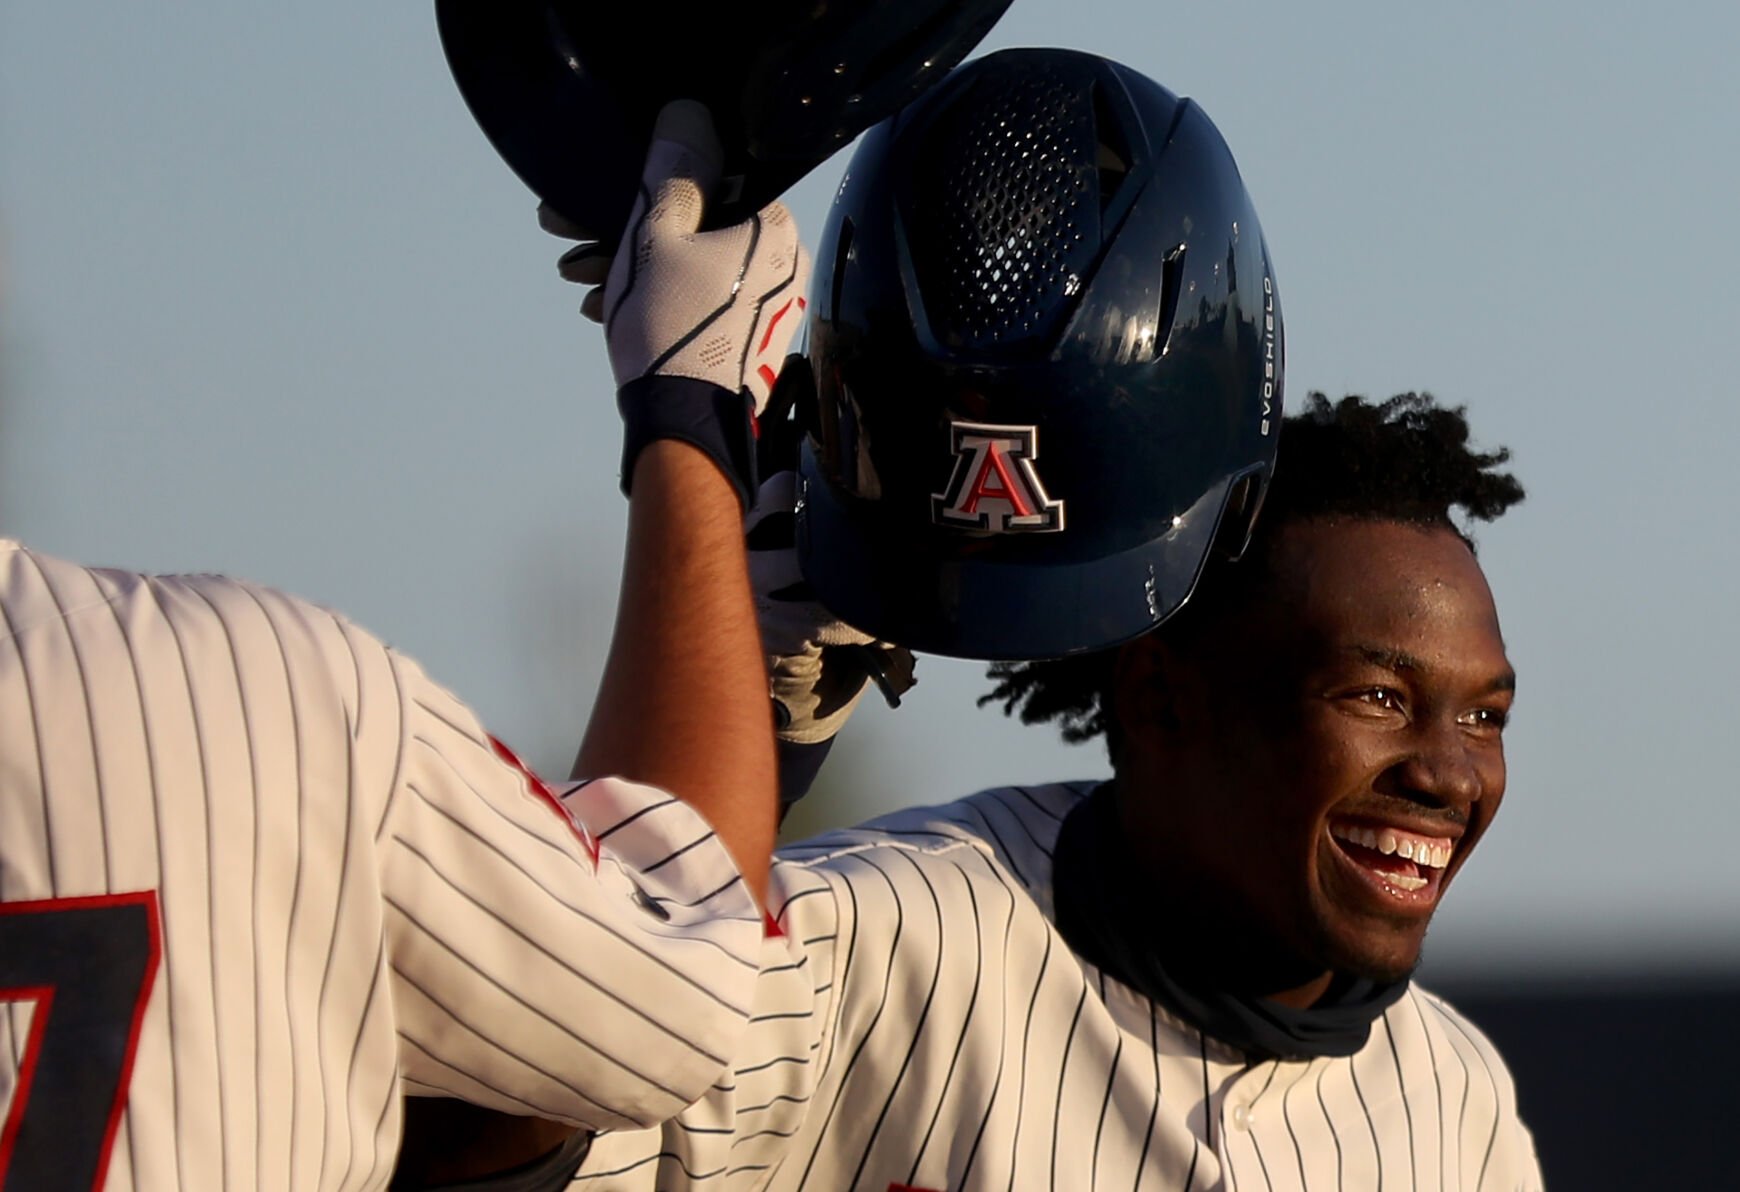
1490, 719
1386, 698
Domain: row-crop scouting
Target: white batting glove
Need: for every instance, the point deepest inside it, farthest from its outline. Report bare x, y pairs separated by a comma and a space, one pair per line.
716, 307
719, 306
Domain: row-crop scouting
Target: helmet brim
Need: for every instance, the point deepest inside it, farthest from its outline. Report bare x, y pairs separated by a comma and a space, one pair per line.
899, 590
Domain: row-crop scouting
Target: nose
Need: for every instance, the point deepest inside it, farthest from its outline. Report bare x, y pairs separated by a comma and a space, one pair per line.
1441, 768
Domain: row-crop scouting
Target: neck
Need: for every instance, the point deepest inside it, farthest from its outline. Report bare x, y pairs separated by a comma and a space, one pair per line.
1217, 970
1213, 941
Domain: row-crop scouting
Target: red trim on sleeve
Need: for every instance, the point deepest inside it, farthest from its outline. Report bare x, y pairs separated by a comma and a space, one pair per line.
541, 789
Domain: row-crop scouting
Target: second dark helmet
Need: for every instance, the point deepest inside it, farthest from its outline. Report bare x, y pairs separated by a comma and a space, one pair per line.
568, 91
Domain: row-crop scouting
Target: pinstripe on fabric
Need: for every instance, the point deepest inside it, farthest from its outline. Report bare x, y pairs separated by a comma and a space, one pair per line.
359, 896
952, 1041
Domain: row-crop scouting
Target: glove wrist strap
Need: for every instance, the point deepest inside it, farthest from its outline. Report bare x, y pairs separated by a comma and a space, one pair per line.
696, 412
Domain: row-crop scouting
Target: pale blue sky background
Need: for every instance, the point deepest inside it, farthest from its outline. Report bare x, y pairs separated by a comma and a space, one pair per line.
270, 305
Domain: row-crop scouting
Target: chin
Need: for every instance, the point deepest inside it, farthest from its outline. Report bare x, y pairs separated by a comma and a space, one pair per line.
1383, 957
1382, 972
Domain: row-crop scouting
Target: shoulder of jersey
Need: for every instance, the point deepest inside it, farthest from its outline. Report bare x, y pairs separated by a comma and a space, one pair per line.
1451, 1021
121, 582
116, 585
1013, 825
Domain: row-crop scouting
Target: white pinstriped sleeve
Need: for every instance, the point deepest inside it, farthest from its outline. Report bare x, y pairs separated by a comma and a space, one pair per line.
592, 960
744, 1128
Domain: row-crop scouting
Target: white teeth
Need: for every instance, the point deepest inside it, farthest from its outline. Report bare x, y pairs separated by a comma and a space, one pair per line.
1402, 881
1429, 853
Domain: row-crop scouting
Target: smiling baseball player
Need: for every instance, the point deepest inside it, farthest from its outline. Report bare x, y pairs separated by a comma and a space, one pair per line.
1196, 975
260, 876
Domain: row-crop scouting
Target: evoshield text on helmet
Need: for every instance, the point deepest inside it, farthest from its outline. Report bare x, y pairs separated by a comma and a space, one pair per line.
1047, 354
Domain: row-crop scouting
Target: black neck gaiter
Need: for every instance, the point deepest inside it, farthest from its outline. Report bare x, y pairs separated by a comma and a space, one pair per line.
1103, 914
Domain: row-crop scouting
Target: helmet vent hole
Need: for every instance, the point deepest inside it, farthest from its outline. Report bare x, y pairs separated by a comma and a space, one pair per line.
1239, 518
842, 254
1112, 153
1171, 286
1004, 212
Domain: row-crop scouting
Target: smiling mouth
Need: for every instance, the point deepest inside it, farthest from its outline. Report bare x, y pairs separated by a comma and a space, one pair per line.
1407, 866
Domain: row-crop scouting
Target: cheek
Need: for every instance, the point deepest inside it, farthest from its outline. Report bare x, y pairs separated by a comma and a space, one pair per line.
1293, 782
1490, 765
1337, 756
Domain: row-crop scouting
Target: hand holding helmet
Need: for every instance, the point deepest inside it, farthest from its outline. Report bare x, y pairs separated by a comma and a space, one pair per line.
697, 323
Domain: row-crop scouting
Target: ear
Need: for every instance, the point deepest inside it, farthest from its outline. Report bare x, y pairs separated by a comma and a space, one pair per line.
1146, 691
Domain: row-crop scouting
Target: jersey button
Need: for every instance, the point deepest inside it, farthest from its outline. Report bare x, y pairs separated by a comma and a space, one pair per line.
1241, 1117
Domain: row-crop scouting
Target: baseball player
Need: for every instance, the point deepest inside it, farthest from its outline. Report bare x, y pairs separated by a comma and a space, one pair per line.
1195, 975
260, 876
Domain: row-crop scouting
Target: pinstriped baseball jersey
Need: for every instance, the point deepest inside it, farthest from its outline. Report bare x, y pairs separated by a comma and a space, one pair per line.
928, 1028
259, 877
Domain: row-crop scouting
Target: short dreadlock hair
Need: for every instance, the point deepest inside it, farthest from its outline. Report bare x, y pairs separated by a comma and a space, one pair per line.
1406, 459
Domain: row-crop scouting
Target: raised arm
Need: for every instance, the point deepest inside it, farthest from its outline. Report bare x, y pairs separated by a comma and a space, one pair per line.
697, 324
683, 704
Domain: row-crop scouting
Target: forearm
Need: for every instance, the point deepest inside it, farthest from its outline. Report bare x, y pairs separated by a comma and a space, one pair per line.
683, 702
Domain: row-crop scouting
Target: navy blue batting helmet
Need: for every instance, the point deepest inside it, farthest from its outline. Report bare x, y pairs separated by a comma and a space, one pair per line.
1047, 359
568, 91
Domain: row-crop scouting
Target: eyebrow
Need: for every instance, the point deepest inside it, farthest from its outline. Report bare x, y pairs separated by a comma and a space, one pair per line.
1396, 660
1401, 660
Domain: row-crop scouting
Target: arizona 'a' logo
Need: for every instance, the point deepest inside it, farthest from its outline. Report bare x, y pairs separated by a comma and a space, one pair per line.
995, 486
